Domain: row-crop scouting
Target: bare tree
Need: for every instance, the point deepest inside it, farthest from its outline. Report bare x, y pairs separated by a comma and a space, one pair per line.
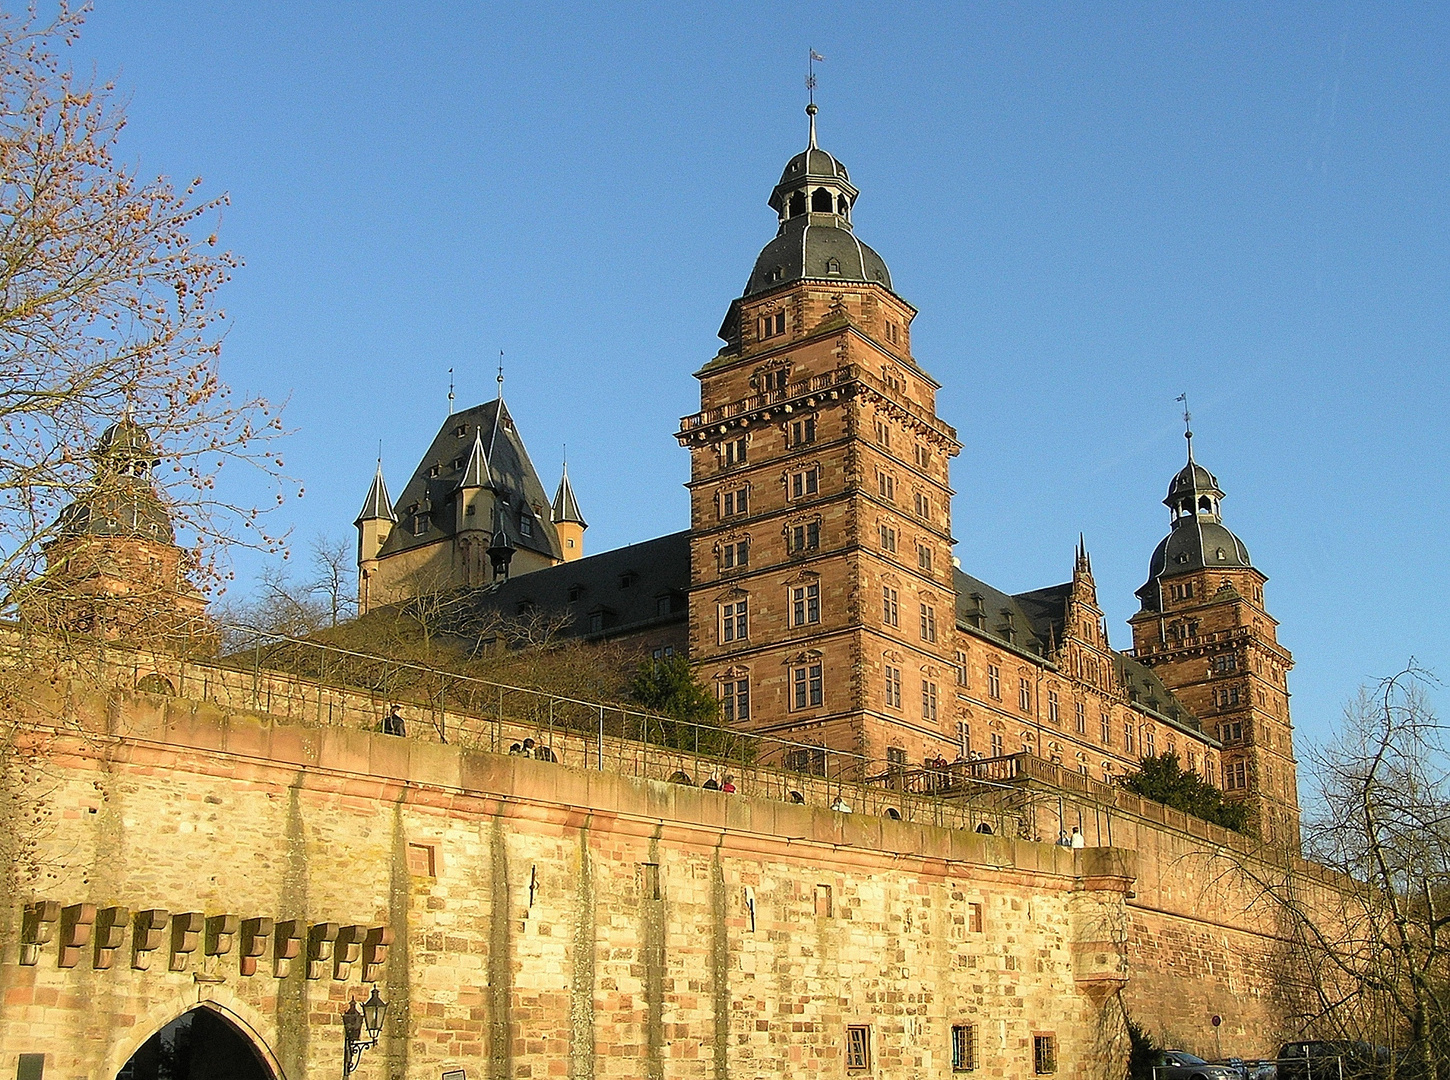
108, 309
334, 577
1368, 950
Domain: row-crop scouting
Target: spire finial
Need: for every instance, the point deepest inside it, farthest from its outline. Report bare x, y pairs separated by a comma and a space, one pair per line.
500, 374
450, 391
1187, 424
813, 57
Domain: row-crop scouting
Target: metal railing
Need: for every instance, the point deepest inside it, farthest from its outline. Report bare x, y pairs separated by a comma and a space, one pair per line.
316, 684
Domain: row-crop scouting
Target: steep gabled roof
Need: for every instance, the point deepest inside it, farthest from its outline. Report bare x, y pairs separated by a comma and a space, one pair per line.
433, 486
475, 472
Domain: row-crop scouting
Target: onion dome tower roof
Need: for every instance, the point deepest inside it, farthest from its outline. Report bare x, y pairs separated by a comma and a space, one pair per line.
1198, 539
814, 201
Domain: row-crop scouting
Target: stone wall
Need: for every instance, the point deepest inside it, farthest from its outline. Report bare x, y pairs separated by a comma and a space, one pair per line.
549, 920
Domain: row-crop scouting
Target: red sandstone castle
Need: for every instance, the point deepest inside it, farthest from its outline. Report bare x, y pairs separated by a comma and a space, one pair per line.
815, 586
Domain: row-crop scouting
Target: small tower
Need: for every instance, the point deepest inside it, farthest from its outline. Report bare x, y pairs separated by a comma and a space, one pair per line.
115, 569
1205, 632
374, 524
473, 510
569, 523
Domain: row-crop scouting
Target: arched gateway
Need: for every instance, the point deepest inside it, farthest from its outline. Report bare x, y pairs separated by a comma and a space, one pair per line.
201, 1044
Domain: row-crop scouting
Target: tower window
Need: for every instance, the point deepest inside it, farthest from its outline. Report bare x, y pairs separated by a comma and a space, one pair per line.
928, 623
803, 431
806, 482
883, 433
886, 485
994, 682
964, 1048
734, 622
805, 537
734, 503
733, 451
923, 557
805, 604
1044, 1054
890, 608
821, 201
928, 699
772, 324
923, 505
833, 267
807, 685
842, 206
735, 554
893, 687
891, 331
797, 203
888, 538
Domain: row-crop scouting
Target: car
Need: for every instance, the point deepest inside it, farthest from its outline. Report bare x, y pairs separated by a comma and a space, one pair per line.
1181, 1065
1250, 1069
1332, 1059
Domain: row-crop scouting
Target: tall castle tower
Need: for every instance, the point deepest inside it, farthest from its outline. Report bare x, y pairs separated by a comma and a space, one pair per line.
821, 594
1205, 632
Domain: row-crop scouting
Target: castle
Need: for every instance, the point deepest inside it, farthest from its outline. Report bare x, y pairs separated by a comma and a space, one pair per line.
815, 587
220, 859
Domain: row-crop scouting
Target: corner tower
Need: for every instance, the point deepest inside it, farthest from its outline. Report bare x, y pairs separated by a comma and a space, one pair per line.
1205, 632
821, 594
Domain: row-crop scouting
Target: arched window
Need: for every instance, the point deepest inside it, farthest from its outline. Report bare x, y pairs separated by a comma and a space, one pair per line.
821, 201
798, 203
197, 1043
842, 206
1205, 504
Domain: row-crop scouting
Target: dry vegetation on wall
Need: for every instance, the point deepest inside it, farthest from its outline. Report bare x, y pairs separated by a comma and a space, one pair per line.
109, 287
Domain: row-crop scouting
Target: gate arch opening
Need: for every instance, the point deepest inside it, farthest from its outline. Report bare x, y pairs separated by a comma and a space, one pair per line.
201, 1044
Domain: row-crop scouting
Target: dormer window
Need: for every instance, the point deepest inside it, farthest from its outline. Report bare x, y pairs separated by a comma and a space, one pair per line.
434, 470
576, 592
833, 267
628, 578
526, 525
460, 431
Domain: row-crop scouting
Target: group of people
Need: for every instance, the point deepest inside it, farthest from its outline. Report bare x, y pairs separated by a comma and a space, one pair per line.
716, 784
530, 748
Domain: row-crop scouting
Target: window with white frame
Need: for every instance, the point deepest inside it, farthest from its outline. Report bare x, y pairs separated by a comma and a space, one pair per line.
735, 699
994, 682
805, 483
928, 700
734, 503
893, 687
888, 537
928, 622
735, 554
890, 606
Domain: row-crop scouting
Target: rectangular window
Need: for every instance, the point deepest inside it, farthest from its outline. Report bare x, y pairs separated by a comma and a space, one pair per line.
858, 1048
890, 610
1128, 736
735, 554
803, 431
1024, 695
734, 451
734, 503
888, 538
1235, 776
805, 483
893, 687
1226, 663
1044, 1054
923, 505
806, 686
1053, 708
422, 860
807, 759
891, 331
999, 749
923, 557
735, 700
964, 1047
961, 659
1149, 743
923, 455
886, 486
805, 604
772, 324
974, 918
1107, 729
734, 622
883, 433
526, 525
994, 682
805, 537
1079, 718
928, 623
823, 901
964, 740
928, 699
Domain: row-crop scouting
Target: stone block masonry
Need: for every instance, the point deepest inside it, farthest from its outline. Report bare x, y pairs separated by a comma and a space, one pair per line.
552, 921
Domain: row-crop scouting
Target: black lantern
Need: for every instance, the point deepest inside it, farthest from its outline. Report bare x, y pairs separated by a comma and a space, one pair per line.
501, 551
354, 1020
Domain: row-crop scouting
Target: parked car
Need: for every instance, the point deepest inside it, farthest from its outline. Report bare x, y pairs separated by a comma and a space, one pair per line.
1332, 1059
1250, 1070
1179, 1065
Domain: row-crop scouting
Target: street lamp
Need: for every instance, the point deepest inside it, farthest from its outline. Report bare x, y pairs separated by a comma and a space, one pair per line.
354, 1021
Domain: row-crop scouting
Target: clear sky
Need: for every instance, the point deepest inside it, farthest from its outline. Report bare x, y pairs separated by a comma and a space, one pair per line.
1095, 207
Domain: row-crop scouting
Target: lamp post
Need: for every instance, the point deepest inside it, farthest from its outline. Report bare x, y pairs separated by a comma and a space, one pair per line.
354, 1022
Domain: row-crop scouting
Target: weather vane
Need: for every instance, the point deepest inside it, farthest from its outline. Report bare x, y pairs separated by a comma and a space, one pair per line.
814, 57
500, 374
450, 391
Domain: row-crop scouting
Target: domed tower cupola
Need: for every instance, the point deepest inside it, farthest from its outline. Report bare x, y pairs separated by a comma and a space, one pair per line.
813, 203
1198, 539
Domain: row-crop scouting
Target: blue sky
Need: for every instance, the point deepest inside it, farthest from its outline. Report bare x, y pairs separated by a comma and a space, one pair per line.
1094, 207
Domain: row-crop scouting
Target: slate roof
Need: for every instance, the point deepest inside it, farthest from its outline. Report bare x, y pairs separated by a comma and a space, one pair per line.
122, 499
431, 489
566, 506
377, 506
625, 586
1002, 616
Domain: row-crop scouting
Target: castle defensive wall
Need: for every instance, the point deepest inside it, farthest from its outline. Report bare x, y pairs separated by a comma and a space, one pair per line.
248, 843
